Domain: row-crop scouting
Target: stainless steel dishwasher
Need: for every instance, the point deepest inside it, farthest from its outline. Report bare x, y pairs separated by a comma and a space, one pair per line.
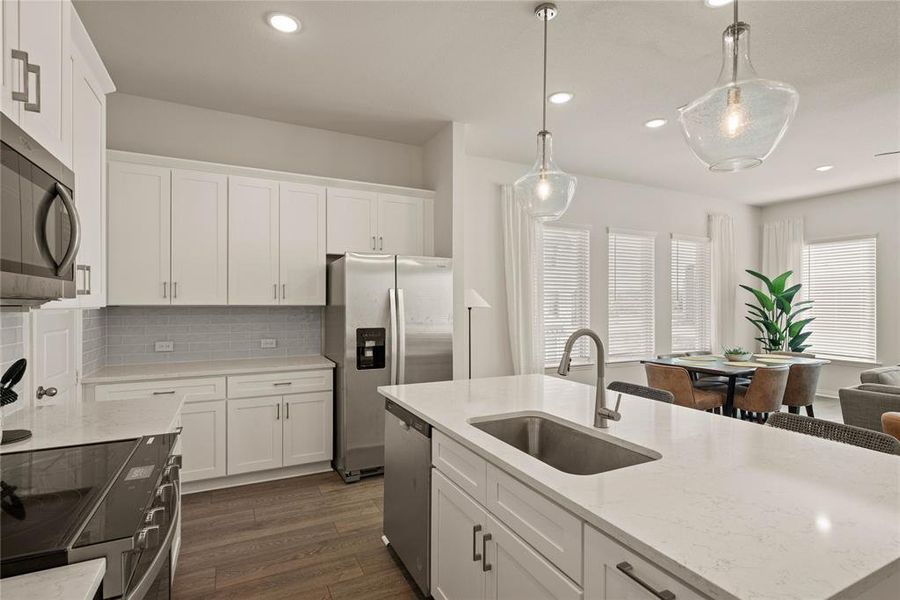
407, 491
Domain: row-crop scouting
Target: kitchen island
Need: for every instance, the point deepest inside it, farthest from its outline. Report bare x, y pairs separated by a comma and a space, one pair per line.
730, 509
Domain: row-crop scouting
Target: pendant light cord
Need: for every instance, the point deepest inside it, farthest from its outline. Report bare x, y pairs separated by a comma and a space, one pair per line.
734, 44
544, 97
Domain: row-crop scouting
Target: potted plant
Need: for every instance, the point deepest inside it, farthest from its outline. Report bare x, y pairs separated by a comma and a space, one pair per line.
776, 316
736, 354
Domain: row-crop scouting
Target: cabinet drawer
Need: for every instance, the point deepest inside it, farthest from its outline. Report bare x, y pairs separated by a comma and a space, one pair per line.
604, 561
192, 390
290, 382
460, 465
550, 529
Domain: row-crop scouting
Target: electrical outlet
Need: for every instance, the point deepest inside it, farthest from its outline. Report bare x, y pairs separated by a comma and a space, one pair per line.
267, 343
165, 346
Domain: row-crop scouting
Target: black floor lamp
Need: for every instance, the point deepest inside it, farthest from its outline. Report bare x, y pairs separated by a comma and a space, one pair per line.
473, 300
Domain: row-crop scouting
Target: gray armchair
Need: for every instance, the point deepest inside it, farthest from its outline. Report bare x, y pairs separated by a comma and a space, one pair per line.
879, 392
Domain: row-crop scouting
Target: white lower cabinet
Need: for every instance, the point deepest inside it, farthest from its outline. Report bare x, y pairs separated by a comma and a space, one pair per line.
307, 428
475, 557
203, 440
254, 434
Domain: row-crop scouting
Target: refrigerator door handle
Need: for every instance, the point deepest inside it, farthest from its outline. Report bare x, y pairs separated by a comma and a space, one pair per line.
393, 298
401, 337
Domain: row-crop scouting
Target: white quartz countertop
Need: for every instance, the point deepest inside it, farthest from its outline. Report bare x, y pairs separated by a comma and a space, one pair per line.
735, 509
89, 422
79, 581
207, 368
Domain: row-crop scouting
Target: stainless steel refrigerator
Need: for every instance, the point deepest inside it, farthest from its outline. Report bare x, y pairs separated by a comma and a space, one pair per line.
388, 320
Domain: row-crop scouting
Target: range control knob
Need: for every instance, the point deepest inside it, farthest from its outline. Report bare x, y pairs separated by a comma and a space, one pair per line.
155, 515
147, 538
164, 492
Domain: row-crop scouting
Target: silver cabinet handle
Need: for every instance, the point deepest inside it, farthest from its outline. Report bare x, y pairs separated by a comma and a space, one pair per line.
283, 291
21, 96
278, 411
164, 289
41, 392
287, 411
166, 393
475, 556
373, 242
381, 242
281, 383
275, 291
174, 289
485, 567
90, 281
84, 270
74, 229
626, 568
34, 106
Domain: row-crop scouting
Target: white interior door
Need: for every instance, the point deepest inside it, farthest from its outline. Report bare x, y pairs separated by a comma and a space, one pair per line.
400, 223
199, 238
302, 244
352, 221
254, 434
44, 35
203, 440
53, 355
252, 241
139, 234
307, 428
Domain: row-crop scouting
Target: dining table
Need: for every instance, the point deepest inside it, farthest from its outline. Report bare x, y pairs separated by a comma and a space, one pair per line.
713, 364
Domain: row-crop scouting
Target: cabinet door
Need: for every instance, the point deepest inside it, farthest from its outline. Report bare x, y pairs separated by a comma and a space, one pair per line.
89, 164
254, 434
44, 35
517, 571
307, 428
457, 528
352, 221
11, 71
400, 225
199, 238
139, 234
302, 244
252, 241
203, 440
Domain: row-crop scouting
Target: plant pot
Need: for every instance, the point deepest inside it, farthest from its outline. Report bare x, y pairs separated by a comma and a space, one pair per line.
743, 357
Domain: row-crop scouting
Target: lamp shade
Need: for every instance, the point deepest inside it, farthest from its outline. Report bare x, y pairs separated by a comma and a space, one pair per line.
474, 300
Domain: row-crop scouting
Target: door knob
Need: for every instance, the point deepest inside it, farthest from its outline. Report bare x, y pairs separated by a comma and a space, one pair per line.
41, 392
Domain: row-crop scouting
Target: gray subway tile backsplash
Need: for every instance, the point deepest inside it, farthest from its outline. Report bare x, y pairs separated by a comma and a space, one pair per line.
202, 333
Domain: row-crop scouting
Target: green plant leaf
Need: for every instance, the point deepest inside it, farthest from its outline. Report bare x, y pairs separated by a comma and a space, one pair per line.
758, 324
783, 305
779, 282
799, 339
797, 312
789, 293
761, 297
757, 310
795, 328
762, 278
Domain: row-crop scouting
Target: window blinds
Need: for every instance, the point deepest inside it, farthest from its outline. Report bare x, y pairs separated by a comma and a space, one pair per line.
839, 276
691, 296
567, 290
631, 295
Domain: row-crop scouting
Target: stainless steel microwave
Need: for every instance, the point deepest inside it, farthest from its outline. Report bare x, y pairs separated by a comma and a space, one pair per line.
39, 227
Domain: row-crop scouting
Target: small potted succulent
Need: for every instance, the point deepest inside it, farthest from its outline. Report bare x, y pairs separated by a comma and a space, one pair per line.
736, 354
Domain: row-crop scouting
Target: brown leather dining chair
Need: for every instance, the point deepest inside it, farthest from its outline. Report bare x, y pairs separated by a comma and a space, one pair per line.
764, 395
677, 381
801, 387
890, 424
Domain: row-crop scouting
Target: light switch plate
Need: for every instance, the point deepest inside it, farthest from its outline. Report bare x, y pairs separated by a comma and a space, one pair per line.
267, 343
165, 346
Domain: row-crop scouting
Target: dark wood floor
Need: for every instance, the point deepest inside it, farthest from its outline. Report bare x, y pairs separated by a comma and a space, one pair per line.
311, 537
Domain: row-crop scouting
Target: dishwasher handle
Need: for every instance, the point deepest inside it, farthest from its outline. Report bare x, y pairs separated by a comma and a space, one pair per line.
409, 420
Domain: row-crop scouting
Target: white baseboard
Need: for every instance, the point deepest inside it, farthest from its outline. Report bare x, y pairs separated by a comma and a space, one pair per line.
216, 483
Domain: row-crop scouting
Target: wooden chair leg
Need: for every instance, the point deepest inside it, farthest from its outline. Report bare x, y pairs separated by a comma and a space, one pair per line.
794, 410
809, 411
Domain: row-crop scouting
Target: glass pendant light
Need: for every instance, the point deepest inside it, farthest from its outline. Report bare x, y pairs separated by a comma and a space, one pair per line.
738, 123
545, 191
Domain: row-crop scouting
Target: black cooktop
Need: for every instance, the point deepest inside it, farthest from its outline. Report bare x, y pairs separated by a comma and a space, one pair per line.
48, 495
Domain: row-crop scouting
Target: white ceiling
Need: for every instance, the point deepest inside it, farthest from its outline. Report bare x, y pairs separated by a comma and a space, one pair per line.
399, 70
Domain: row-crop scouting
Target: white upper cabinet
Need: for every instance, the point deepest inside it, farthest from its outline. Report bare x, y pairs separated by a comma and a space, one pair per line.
139, 234
253, 241
400, 225
301, 244
199, 238
37, 90
352, 221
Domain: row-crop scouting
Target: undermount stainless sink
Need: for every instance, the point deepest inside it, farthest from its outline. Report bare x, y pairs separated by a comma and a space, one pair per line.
563, 447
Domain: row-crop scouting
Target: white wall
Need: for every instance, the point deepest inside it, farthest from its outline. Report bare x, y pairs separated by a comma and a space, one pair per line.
150, 126
866, 211
438, 176
600, 203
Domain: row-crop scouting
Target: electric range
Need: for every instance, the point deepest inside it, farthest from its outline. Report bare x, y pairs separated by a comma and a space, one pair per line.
116, 500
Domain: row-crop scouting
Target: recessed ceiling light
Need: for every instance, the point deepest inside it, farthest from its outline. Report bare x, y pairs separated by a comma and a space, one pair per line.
655, 123
560, 97
284, 23
716, 3
823, 168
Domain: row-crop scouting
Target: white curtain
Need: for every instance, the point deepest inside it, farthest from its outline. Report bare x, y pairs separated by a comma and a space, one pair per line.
522, 252
782, 248
723, 280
